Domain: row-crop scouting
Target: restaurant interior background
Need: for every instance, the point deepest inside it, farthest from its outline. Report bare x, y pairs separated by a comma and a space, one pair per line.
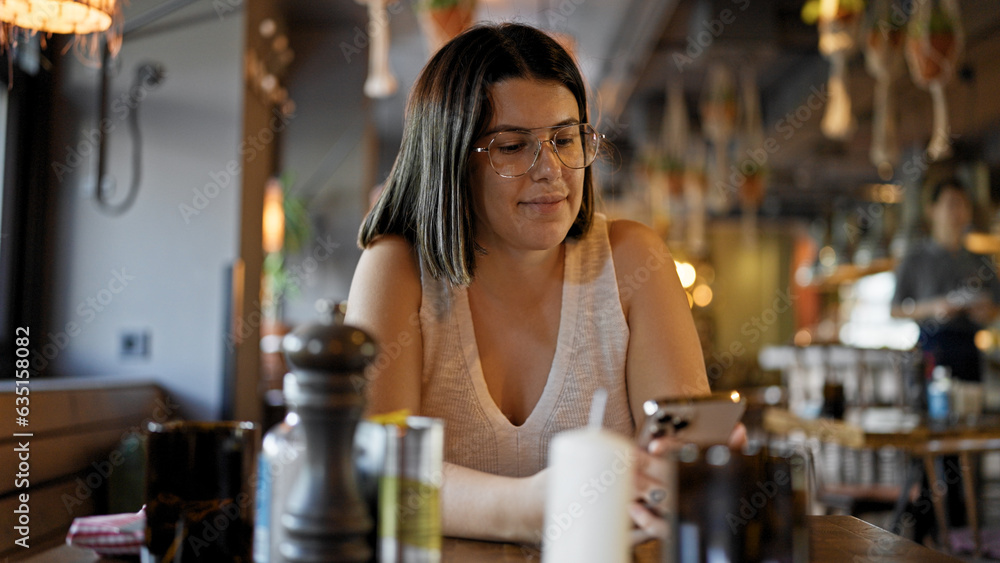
215, 111
168, 287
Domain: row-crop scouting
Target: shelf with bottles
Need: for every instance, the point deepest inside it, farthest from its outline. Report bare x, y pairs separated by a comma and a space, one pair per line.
832, 279
858, 237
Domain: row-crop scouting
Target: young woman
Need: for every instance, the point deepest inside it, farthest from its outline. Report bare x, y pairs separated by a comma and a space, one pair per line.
507, 299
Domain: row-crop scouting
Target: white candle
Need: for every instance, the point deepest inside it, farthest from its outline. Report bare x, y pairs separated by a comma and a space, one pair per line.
589, 490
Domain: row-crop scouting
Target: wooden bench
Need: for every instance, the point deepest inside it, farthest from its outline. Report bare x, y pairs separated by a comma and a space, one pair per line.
70, 453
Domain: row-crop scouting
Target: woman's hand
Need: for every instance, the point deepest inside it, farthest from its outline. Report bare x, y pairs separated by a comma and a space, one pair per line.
651, 495
652, 499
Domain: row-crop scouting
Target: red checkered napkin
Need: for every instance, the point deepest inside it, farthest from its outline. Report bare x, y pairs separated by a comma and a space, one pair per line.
113, 534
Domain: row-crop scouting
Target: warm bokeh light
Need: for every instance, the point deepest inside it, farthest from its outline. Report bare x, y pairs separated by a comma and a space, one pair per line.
274, 217
982, 243
985, 340
59, 16
828, 256
702, 295
686, 273
690, 300
803, 337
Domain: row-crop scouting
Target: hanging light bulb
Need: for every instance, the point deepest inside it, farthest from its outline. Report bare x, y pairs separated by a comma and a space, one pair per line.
78, 17
60, 16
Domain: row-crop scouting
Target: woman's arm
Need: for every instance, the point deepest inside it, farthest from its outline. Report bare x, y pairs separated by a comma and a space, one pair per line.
664, 353
385, 301
489, 507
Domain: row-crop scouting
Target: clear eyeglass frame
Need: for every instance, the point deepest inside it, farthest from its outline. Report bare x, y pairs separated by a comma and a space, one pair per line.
588, 157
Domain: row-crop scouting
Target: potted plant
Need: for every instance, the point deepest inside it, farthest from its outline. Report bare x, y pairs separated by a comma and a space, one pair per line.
883, 51
673, 171
846, 11
442, 20
932, 44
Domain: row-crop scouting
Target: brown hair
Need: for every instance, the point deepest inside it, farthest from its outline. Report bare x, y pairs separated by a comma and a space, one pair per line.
426, 197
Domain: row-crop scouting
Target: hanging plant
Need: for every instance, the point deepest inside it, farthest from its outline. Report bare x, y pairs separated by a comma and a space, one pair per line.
837, 21
674, 135
845, 10
719, 110
933, 44
297, 230
381, 82
884, 61
442, 20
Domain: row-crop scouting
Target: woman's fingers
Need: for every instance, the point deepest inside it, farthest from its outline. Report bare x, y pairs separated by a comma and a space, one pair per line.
648, 525
738, 439
652, 492
651, 464
664, 444
650, 477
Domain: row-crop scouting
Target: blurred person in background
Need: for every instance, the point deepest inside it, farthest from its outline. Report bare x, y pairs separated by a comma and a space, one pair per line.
952, 294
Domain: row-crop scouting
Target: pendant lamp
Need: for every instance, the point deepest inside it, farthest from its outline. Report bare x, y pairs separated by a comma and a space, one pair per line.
78, 17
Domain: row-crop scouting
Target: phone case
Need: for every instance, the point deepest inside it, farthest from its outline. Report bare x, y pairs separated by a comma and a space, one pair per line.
704, 420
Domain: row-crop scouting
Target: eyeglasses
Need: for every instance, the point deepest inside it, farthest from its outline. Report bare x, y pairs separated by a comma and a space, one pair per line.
514, 153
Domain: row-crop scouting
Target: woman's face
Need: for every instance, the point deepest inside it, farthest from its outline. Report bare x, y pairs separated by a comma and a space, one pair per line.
536, 210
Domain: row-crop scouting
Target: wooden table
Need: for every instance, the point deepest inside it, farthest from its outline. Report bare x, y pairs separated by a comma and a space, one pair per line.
782, 421
922, 443
833, 539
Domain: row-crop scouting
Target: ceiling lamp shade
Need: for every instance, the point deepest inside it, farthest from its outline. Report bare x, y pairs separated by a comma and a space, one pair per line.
83, 19
60, 16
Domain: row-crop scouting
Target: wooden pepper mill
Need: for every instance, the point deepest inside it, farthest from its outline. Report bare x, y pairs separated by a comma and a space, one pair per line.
325, 518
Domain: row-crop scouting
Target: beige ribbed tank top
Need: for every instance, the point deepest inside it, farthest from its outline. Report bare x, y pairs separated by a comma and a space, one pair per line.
590, 354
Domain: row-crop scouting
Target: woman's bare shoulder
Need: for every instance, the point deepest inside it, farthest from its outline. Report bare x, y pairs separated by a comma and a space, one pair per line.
386, 281
392, 255
635, 245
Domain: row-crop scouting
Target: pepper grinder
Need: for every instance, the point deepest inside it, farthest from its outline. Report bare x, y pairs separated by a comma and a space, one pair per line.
324, 517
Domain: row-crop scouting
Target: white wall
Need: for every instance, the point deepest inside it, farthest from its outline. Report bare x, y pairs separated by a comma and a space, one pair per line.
174, 266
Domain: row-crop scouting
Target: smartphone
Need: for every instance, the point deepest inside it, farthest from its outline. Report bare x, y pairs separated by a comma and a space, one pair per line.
704, 421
